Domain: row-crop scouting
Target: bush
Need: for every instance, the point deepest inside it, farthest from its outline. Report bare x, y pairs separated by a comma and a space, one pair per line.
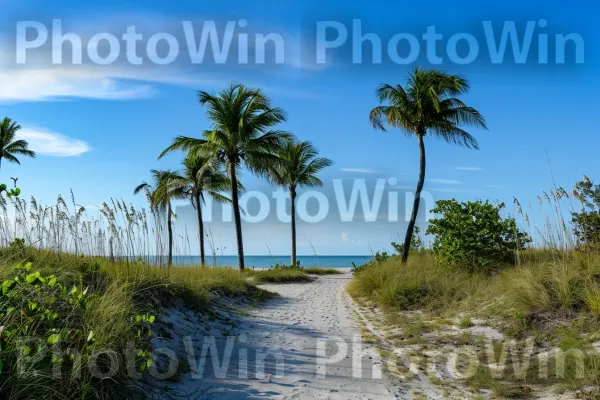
474, 236
281, 274
586, 224
416, 243
49, 324
61, 301
421, 284
322, 271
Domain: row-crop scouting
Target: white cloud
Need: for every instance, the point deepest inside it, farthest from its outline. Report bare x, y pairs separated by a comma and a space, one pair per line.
445, 181
346, 239
469, 168
359, 170
52, 144
42, 81
50, 84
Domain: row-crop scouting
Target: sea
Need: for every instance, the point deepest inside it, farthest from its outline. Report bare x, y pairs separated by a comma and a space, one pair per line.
269, 261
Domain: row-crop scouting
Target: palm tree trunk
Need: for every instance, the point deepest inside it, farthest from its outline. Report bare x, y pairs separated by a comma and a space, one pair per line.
200, 228
236, 215
170, 230
293, 214
411, 225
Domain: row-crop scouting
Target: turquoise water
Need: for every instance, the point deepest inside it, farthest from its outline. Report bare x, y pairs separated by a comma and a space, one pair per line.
268, 261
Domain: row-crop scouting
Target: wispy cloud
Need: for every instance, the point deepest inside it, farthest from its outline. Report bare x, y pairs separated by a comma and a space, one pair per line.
469, 168
53, 144
346, 239
43, 81
445, 181
359, 170
51, 84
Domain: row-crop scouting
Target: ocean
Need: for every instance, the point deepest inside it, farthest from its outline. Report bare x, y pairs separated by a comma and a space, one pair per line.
269, 261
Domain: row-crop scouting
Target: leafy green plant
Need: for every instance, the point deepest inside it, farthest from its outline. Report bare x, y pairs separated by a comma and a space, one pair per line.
10, 193
44, 328
474, 236
416, 243
378, 259
586, 223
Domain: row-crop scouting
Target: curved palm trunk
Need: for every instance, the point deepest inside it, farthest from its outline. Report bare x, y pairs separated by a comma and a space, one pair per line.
170, 230
293, 215
200, 228
236, 216
411, 225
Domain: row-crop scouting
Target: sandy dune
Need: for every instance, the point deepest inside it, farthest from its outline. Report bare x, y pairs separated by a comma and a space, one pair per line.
310, 340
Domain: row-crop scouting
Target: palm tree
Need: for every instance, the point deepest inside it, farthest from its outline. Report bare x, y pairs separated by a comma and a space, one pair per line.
297, 167
160, 195
241, 136
198, 179
9, 147
428, 104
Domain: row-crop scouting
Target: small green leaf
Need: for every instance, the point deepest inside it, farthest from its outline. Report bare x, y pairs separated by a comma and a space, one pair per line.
53, 339
151, 319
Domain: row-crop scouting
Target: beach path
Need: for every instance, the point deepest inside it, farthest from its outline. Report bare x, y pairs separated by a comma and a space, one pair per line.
302, 344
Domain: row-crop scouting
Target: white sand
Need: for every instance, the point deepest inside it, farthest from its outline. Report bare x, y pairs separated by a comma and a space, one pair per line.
290, 326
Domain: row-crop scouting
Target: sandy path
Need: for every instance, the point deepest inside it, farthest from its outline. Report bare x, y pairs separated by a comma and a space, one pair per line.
307, 335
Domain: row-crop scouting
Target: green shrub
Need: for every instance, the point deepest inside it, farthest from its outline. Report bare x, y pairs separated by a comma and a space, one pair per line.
281, 274
42, 316
586, 224
416, 242
421, 284
322, 271
378, 259
474, 236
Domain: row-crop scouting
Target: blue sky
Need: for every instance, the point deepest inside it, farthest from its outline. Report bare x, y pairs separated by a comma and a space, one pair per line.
99, 129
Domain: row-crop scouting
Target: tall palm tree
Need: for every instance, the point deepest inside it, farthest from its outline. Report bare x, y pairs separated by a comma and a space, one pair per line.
160, 195
9, 147
198, 179
297, 167
427, 104
241, 135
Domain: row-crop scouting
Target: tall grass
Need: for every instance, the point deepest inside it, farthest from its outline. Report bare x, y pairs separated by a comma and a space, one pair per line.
552, 292
114, 230
116, 293
99, 287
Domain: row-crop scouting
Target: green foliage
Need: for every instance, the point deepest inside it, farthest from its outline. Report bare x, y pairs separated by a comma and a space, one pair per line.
416, 243
322, 271
10, 193
281, 274
42, 316
421, 284
474, 236
242, 135
378, 259
10, 146
586, 223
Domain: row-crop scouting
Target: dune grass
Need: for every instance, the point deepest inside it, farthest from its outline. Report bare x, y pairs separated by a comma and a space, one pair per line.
552, 296
90, 304
322, 271
280, 275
